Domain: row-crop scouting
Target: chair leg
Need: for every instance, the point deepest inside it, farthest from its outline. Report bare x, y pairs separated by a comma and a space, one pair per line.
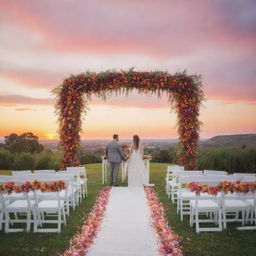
220, 221
224, 219
7, 222
197, 221
237, 215
28, 220
243, 217
191, 216
36, 218
64, 216
181, 210
59, 221
86, 189
1, 219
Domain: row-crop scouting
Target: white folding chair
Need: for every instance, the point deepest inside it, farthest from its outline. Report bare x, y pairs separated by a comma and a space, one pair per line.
233, 206
23, 206
250, 198
169, 179
72, 192
4, 201
210, 207
52, 206
174, 185
82, 179
184, 195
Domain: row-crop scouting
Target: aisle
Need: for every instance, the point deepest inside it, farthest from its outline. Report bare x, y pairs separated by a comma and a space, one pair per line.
125, 230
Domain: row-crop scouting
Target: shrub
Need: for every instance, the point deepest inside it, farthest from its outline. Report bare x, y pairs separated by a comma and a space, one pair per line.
86, 157
6, 159
24, 161
164, 156
49, 160
230, 159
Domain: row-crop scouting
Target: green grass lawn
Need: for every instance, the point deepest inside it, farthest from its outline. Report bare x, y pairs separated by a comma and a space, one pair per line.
229, 242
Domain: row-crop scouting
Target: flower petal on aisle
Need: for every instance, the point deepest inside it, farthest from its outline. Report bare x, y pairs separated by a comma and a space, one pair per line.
169, 241
81, 242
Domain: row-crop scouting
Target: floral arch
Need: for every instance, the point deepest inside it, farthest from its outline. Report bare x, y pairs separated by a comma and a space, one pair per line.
185, 96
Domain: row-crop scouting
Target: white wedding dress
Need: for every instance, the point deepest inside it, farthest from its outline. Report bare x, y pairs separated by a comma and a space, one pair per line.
137, 171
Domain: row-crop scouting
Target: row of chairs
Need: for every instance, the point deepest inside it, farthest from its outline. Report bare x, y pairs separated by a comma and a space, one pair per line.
39, 207
238, 206
175, 172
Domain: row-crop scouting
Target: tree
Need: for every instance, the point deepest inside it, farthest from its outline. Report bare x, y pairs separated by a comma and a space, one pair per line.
26, 142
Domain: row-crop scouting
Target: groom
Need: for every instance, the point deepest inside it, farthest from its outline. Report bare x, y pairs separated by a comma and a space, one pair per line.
115, 156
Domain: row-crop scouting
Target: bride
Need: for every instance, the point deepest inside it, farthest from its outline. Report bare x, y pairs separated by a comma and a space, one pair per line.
137, 171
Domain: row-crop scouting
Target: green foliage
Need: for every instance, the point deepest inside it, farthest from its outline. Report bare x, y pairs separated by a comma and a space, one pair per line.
26, 142
230, 159
6, 159
48, 160
87, 157
164, 156
24, 161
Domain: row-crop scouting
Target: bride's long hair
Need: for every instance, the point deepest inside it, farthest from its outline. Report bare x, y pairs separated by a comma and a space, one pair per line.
136, 141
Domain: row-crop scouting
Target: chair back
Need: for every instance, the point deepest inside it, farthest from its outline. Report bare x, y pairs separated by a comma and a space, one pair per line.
238, 174
249, 178
19, 173
44, 171
4, 178
173, 168
214, 172
193, 173
80, 169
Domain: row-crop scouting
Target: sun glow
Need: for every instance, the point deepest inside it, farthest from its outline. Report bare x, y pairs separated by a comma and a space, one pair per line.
51, 136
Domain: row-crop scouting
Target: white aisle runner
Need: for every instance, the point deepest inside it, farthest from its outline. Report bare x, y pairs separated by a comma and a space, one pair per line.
125, 229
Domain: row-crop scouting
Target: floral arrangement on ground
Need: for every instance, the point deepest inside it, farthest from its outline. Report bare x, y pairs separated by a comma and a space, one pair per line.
80, 243
169, 241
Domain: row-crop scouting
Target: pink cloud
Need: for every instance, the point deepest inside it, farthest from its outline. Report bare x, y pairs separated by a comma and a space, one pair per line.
33, 78
167, 28
134, 101
160, 29
14, 100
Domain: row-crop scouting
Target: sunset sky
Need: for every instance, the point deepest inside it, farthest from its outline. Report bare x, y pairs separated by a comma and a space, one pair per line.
44, 41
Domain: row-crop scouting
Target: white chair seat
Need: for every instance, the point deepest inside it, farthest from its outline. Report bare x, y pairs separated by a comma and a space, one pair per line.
20, 196
250, 202
204, 204
52, 196
20, 204
186, 195
49, 204
235, 204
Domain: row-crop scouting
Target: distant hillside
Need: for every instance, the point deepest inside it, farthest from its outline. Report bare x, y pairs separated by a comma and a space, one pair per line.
231, 140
